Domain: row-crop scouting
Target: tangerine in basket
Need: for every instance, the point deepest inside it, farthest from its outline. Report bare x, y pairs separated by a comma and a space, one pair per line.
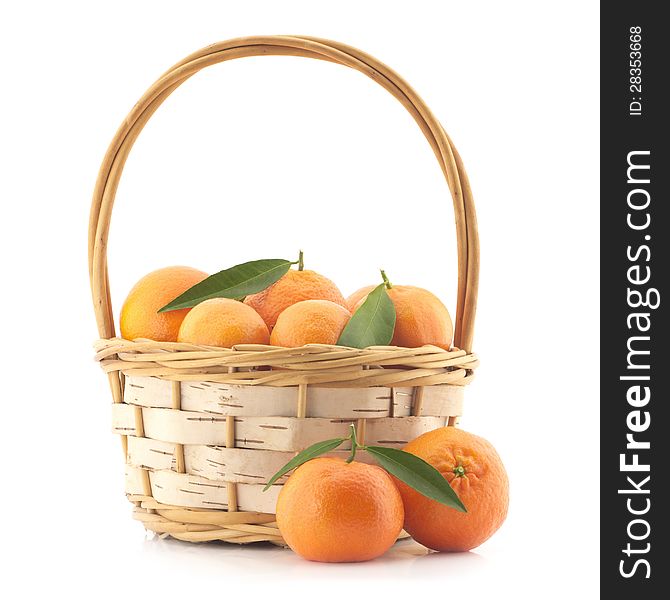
333, 511
294, 286
223, 322
476, 473
310, 322
421, 318
139, 314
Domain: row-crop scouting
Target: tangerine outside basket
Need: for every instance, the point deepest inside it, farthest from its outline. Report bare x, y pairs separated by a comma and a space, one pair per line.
204, 428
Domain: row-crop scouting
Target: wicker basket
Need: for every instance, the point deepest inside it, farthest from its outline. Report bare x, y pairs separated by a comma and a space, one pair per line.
204, 428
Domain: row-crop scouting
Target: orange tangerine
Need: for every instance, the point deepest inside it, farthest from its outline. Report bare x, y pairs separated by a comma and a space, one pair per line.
223, 322
139, 314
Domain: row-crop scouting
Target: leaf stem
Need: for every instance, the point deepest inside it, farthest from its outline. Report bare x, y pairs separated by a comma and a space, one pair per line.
354, 444
388, 284
301, 262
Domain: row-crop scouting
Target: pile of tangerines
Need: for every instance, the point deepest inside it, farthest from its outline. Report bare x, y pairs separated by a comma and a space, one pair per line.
302, 307
330, 509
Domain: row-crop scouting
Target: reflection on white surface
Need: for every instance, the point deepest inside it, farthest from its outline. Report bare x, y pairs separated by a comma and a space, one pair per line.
405, 559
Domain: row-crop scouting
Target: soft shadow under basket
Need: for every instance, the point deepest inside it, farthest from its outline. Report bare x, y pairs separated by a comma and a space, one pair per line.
204, 428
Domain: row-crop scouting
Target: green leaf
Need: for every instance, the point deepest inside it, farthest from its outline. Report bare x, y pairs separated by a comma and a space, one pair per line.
307, 454
418, 474
237, 282
372, 324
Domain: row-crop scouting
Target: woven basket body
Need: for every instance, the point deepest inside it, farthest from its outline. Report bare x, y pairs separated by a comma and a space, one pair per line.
204, 428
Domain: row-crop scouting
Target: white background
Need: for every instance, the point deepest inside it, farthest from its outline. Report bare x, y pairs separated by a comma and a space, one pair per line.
261, 157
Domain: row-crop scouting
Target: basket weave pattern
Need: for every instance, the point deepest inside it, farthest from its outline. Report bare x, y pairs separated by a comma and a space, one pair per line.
203, 428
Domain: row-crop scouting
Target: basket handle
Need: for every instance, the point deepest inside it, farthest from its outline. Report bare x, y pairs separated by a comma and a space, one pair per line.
309, 47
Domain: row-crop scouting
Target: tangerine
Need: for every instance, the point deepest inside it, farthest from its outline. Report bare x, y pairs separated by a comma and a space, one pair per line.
139, 314
333, 511
310, 322
293, 287
476, 473
421, 318
223, 322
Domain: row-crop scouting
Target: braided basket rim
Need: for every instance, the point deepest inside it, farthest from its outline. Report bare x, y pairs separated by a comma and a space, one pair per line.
312, 364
